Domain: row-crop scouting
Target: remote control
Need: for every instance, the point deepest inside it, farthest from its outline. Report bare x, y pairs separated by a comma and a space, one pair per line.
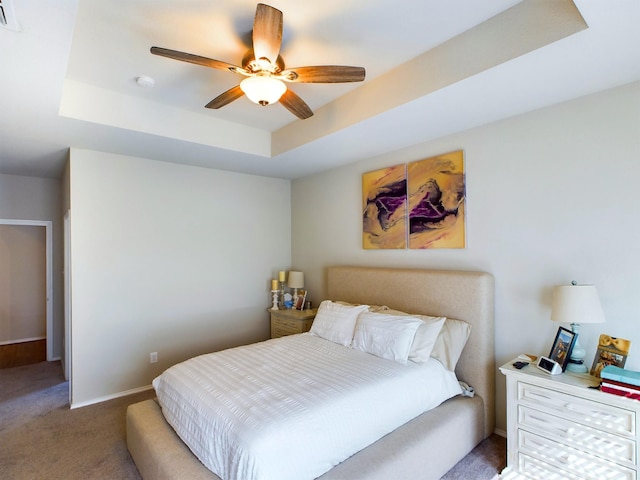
519, 365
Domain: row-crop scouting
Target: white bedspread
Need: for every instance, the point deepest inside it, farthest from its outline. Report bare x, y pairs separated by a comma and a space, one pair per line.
294, 407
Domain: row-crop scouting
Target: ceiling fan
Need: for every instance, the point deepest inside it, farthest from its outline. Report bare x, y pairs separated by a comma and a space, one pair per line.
264, 68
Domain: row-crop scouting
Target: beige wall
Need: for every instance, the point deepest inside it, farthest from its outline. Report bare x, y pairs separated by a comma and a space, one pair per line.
38, 199
552, 197
167, 258
23, 286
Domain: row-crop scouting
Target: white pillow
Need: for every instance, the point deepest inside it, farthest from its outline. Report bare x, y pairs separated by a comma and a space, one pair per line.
450, 342
386, 336
335, 322
426, 337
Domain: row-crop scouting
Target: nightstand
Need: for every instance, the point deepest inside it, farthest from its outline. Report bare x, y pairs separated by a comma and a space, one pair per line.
559, 428
290, 321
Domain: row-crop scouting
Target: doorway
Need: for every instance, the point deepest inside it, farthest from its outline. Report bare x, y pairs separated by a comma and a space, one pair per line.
26, 318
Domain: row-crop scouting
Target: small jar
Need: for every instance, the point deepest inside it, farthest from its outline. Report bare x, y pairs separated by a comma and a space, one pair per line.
307, 305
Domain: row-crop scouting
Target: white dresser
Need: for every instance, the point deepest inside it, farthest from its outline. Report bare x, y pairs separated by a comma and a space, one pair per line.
559, 428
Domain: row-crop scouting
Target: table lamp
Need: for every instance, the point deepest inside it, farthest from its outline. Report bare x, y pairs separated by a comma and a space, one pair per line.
296, 281
576, 304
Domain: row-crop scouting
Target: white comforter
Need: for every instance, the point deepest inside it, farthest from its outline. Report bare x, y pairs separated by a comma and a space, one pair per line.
294, 407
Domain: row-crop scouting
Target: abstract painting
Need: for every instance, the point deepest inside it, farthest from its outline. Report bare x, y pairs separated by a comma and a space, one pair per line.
436, 202
384, 208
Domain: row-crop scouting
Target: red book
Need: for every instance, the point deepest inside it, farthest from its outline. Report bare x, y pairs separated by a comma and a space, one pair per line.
621, 391
621, 384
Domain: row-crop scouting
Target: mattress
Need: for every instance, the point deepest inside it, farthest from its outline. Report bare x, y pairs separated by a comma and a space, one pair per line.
294, 407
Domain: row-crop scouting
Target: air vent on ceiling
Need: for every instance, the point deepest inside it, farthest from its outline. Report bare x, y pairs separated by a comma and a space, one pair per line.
8, 15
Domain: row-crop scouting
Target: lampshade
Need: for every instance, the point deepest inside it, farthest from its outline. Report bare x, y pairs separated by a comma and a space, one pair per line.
296, 279
263, 89
576, 304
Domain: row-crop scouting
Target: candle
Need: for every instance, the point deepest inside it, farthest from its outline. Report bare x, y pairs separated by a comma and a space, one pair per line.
274, 284
281, 275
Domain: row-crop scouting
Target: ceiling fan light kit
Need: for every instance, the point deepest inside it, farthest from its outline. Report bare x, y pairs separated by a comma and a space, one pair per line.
263, 89
264, 68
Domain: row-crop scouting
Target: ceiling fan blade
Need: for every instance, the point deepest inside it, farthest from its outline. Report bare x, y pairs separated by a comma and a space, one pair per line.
295, 105
267, 32
324, 74
196, 59
225, 98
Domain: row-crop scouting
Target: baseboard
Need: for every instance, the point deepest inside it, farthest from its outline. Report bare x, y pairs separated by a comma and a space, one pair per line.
110, 397
501, 433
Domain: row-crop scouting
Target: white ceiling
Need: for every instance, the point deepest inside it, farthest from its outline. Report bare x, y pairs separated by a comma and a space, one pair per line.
434, 67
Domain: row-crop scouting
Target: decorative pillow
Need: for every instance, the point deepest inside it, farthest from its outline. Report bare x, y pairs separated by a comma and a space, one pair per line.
386, 336
450, 343
451, 339
335, 322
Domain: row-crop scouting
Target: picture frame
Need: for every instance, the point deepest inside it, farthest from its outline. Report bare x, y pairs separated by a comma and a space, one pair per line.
611, 351
302, 296
562, 346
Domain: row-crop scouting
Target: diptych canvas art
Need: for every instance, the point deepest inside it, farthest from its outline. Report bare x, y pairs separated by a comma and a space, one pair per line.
420, 205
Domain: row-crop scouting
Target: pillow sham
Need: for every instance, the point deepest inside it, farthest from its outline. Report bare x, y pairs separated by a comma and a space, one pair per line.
451, 340
385, 336
336, 322
426, 335
450, 343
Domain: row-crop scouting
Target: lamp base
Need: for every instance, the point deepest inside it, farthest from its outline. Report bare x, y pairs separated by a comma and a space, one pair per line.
576, 364
576, 367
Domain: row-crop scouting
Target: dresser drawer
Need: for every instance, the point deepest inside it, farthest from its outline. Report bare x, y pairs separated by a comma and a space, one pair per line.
606, 445
290, 325
583, 464
540, 470
277, 331
281, 326
594, 414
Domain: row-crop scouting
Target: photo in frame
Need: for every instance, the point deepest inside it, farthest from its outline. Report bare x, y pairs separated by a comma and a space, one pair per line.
562, 346
302, 296
611, 351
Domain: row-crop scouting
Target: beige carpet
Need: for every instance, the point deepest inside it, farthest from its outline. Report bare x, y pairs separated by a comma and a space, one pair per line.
41, 438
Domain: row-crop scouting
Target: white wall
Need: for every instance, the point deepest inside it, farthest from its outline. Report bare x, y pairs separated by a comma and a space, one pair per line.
167, 258
35, 198
551, 197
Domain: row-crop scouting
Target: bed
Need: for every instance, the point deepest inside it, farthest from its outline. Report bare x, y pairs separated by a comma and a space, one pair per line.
425, 447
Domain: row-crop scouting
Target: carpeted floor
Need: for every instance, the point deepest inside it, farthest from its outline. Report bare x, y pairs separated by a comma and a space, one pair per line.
41, 438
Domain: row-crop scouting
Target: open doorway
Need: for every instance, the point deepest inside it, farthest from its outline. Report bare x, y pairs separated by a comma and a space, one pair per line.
26, 322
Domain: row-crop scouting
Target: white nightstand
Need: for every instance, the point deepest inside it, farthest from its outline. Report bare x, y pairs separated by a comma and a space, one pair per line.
559, 428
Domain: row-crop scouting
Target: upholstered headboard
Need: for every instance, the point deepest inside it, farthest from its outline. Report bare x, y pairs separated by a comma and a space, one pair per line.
463, 295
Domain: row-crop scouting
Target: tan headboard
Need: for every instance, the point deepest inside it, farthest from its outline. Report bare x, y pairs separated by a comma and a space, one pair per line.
463, 295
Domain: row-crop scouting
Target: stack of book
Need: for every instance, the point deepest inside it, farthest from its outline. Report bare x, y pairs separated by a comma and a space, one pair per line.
620, 381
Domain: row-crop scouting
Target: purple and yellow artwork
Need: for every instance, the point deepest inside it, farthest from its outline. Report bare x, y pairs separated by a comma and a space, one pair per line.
436, 202
384, 208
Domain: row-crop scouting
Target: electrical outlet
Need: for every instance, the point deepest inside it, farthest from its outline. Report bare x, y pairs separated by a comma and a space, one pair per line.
153, 357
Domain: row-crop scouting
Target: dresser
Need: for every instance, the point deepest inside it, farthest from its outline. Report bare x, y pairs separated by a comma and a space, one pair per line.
559, 428
290, 321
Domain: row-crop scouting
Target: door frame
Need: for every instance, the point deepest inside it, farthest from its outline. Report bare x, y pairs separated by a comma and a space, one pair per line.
48, 225
67, 300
